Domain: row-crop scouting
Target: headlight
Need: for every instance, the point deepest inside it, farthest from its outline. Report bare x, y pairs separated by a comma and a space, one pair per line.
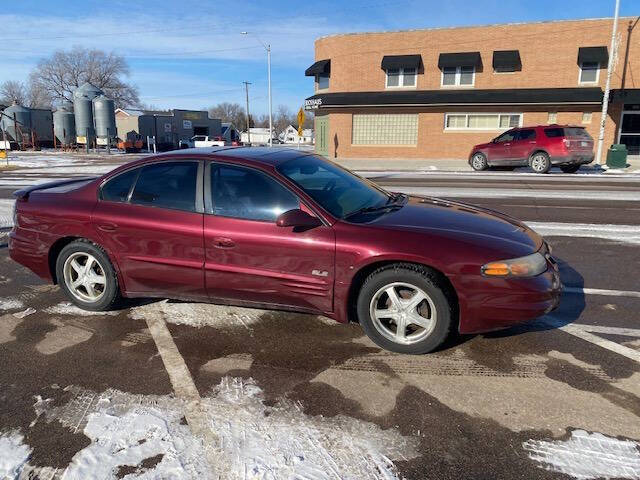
528, 266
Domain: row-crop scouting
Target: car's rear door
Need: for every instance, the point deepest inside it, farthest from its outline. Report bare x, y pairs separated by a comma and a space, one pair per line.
524, 143
150, 218
248, 257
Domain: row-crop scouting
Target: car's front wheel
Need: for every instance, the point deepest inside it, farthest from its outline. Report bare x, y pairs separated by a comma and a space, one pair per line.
86, 276
479, 162
404, 308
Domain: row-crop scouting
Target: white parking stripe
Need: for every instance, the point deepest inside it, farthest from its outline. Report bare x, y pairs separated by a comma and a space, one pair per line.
618, 233
578, 331
600, 291
625, 332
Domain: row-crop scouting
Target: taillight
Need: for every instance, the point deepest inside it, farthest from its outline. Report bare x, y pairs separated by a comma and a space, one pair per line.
567, 142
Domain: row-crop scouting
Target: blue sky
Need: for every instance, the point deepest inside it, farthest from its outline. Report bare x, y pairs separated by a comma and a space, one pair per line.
190, 54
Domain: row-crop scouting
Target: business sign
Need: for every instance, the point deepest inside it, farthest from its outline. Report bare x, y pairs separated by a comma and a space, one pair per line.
192, 115
312, 103
186, 124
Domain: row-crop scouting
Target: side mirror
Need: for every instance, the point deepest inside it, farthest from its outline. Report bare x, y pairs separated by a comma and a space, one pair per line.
297, 218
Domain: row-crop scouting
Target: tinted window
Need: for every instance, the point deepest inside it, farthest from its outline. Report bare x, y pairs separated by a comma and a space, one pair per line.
506, 137
167, 185
576, 132
245, 193
527, 134
117, 189
554, 132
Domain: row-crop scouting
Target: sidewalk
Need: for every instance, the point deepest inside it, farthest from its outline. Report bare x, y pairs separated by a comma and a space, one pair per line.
449, 165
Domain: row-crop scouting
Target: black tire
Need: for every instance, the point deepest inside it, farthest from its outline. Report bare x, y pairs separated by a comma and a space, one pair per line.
570, 168
110, 292
417, 276
540, 162
479, 162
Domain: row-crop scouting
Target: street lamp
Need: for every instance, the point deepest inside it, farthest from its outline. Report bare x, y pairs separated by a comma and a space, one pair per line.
268, 49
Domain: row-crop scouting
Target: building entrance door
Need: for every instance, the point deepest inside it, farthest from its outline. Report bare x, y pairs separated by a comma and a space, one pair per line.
322, 135
630, 131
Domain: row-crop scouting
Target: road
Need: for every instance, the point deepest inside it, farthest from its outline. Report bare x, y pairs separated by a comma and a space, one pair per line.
185, 388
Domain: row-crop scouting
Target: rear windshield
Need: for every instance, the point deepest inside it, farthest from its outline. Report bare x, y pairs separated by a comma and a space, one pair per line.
566, 132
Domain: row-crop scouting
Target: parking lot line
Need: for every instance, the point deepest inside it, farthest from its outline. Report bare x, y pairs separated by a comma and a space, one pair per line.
601, 291
626, 332
581, 332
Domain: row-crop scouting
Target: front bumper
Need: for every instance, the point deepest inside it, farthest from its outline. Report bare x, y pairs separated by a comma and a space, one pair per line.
576, 158
494, 304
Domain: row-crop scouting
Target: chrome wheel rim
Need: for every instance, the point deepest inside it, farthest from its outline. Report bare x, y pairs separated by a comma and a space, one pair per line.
539, 162
85, 277
478, 162
403, 313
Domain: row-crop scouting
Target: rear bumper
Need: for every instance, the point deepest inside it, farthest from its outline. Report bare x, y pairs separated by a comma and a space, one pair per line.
493, 304
576, 158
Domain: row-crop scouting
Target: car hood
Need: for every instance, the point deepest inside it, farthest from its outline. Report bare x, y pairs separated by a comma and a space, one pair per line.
451, 219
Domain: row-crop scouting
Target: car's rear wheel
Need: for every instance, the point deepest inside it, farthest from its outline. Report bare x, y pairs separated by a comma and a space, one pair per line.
540, 162
86, 276
570, 168
479, 162
404, 308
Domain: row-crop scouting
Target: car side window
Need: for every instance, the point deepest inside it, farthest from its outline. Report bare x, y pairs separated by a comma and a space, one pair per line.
245, 193
528, 134
506, 137
117, 189
167, 185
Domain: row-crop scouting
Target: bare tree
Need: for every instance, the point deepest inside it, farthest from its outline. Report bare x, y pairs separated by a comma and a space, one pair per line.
262, 121
63, 72
283, 118
13, 91
229, 112
37, 97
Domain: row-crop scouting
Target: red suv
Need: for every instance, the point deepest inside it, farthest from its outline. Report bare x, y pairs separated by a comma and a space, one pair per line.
539, 147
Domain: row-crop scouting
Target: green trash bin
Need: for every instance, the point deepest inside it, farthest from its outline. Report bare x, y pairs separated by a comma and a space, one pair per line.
617, 156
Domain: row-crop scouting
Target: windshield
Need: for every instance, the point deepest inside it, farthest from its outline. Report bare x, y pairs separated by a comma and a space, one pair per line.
337, 190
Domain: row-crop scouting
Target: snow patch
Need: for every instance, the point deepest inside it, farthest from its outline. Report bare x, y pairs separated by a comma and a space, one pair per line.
10, 304
25, 313
13, 455
199, 314
587, 455
68, 308
6, 213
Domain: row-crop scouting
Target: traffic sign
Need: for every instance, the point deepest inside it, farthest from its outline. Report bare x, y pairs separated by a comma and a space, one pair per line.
300, 121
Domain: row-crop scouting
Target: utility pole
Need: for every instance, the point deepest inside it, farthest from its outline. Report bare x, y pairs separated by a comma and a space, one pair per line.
246, 89
605, 100
267, 47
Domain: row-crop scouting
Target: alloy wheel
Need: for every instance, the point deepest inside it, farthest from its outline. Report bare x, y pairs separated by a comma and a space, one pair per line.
85, 277
478, 162
403, 313
539, 162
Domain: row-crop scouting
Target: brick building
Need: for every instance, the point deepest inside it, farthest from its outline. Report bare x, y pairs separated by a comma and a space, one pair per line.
435, 93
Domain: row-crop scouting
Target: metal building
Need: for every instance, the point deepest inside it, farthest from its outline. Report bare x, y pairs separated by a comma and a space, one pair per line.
104, 119
83, 110
64, 126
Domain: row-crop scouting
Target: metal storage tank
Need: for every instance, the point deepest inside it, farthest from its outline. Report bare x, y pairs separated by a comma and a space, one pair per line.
22, 117
83, 110
104, 117
64, 125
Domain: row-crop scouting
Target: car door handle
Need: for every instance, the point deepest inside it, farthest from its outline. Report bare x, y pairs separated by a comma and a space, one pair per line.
223, 242
108, 227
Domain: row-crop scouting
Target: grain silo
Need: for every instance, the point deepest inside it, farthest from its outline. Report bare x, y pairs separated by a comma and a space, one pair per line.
83, 110
17, 114
64, 125
104, 117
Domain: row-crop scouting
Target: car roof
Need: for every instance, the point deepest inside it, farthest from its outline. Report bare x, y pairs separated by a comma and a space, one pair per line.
271, 156
549, 125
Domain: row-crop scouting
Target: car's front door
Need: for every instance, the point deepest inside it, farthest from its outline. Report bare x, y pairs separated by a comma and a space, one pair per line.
500, 148
523, 144
248, 257
150, 218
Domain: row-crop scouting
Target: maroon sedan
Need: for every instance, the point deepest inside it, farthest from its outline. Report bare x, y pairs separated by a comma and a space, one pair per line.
277, 228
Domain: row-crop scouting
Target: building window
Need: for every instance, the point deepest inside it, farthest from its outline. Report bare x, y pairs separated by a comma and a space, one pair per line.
586, 117
552, 117
458, 76
589, 72
401, 77
385, 129
322, 81
482, 121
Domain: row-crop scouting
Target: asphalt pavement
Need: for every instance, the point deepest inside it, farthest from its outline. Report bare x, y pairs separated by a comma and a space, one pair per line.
282, 395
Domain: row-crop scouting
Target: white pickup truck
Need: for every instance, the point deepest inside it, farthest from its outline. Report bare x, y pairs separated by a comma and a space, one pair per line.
198, 141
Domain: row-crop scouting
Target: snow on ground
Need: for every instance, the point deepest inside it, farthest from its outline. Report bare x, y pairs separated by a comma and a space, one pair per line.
41, 161
148, 434
587, 455
198, 314
6, 212
68, 308
10, 304
13, 455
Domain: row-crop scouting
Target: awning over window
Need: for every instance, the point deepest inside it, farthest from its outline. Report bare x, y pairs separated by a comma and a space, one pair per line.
401, 61
507, 60
593, 54
321, 66
628, 95
463, 59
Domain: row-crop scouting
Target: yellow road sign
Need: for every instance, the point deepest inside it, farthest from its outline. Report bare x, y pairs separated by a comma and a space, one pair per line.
300, 121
